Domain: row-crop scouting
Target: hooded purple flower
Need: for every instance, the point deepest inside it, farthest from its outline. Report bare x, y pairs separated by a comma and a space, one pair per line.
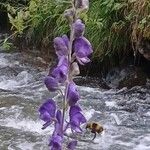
73, 94
51, 83
82, 49
79, 28
47, 112
76, 118
56, 142
61, 45
60, 72
72, 145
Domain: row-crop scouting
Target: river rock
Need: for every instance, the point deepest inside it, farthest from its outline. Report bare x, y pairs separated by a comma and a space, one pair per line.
144, 48
127, 77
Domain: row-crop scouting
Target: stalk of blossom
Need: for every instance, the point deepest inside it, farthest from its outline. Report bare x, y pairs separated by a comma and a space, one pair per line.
70, 52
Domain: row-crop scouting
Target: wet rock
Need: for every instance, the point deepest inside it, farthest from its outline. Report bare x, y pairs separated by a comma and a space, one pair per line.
91, 82
144, 48
127, 77
136, 78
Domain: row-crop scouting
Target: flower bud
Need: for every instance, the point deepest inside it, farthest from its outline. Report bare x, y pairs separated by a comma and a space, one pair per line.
75, 69
79, 28
69, 14
82, 5
61, 45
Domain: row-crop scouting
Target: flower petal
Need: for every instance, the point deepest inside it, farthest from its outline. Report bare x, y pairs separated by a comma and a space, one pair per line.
51, 83
83, 60
74, 109
76, 118
79, 28
73, 94
47, 110
60, 72
82, 48
61, 46
66, 40
56, 142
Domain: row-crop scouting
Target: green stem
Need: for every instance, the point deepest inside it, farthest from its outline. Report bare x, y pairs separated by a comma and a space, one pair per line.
68, 75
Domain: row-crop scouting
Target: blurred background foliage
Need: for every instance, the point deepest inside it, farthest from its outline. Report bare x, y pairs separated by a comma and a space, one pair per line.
114, 27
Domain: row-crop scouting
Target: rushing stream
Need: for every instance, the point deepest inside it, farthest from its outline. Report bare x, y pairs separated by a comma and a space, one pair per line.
125, 113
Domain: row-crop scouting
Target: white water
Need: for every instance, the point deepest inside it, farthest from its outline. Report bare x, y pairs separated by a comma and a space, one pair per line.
125, 117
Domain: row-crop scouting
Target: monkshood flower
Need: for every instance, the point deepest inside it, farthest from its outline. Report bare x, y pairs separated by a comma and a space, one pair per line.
79, 28
76, 118
56, 142
47, 112
51, 83
60, 72
58, 75
70, 52
82, 49
73, 94
61, 45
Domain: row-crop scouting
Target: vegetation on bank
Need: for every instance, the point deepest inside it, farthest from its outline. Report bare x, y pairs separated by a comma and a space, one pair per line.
114, 27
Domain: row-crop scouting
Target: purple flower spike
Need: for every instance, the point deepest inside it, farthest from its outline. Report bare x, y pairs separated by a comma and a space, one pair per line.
56, 142
73, 94
79, 28
76, 118
60, 72
61, 45
51, 83
72, 145
82, 48
47, 112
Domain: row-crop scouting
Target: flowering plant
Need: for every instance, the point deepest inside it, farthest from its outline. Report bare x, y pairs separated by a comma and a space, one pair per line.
70, 52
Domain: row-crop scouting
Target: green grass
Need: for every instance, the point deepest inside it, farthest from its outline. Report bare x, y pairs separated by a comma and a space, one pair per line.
114, 27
